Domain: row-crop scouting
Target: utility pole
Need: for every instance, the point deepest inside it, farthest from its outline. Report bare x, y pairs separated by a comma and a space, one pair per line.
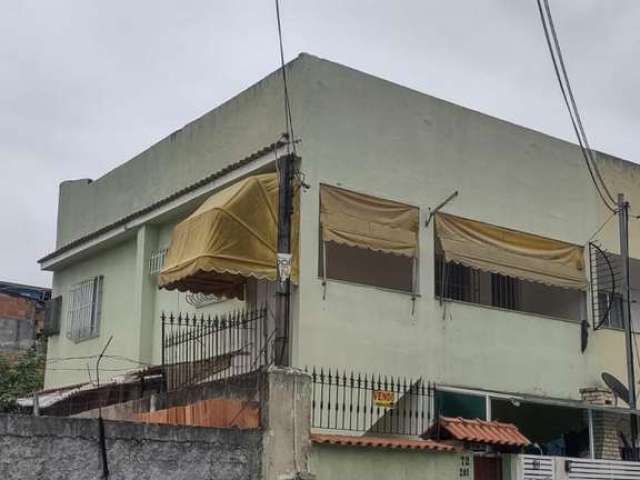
285, 207
623, 217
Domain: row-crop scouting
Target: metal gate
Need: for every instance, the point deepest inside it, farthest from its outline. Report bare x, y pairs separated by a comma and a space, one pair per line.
584, 469
535, 467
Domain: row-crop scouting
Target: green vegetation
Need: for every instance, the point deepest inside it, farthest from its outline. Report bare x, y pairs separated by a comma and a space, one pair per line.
19, 378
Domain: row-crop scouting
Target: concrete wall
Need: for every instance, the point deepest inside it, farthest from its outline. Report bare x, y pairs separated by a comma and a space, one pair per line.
232, 131
48, 448
118, 318
357, 463
369, 135
132, 306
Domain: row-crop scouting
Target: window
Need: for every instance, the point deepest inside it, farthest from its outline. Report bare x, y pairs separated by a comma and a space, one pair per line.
84, 311
505, 291
483, 288
454, 404
607, 289
52, 316
460, 282
368, 240
536, 274
156, 261
610, 306
358, 265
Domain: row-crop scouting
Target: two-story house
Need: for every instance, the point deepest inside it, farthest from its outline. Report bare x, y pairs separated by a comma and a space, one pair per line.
491, 296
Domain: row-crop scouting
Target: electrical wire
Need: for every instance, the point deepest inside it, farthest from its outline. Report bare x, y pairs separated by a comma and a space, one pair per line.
573, 101
291, 142
613, 214
55, 369
569, 100
89, 357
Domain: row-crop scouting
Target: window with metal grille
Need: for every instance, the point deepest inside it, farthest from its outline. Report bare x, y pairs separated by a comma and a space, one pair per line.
505, 291
458, 282
85, 309
607, 289
610, 304
156, 261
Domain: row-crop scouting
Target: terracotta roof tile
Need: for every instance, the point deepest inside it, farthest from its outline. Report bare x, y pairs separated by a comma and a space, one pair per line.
381, 442
480, 431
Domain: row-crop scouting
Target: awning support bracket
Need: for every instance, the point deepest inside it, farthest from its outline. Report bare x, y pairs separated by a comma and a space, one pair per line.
439, 207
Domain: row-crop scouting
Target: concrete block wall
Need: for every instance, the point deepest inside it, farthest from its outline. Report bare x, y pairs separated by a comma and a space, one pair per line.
43, 448
68, 447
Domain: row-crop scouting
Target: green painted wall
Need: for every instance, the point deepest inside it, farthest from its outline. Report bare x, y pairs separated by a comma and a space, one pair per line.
131, 309
232, 131
356, 463
118, 318
369, 135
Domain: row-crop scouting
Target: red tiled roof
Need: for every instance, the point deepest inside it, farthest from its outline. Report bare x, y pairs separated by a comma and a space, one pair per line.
480, 431
381, 442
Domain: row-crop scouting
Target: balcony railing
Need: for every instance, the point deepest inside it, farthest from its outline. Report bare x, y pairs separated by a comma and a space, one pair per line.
199, 348
355, 402
156, 261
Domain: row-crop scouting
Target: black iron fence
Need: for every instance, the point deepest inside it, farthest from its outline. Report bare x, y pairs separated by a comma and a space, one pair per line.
370, 403
199, 348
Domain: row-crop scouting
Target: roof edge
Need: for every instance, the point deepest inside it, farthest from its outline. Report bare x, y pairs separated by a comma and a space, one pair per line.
138, 213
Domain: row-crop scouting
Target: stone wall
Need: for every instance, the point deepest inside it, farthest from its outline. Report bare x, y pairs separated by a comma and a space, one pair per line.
43, 448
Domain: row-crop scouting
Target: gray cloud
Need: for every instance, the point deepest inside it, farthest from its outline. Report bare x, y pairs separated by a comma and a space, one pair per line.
86, 85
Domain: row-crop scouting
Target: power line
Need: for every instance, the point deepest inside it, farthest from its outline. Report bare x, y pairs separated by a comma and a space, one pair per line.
291, 143
570, 102
89, 357
613, 214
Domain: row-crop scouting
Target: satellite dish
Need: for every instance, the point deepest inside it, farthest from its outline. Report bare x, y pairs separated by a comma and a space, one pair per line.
616, 386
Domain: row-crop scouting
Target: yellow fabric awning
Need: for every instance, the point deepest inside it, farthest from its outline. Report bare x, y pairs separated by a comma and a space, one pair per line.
364, 221
511, 253
232, 236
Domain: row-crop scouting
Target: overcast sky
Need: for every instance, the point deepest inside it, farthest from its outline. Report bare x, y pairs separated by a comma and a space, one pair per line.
85, 85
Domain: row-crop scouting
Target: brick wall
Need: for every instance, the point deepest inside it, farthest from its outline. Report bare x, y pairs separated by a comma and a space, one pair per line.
606, 425
20, 320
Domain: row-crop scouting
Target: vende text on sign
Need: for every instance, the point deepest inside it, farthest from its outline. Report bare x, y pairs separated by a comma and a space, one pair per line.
383, 398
